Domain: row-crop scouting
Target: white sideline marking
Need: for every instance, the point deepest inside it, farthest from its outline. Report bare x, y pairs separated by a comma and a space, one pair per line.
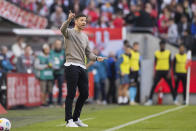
145, 118
64, 124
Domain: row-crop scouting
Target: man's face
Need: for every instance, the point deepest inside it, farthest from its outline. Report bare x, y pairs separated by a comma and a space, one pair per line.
182, 49
28, 51
58, 45
81, 22
136, 47
46, 50
162, 46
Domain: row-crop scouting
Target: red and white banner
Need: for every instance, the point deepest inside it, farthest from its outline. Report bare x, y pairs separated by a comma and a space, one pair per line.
106, 39
22, 89
24, 18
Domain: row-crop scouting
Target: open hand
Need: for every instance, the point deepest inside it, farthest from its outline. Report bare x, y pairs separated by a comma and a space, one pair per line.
100, 58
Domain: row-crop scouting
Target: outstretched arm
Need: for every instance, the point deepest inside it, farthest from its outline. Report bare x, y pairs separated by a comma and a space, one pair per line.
65, 25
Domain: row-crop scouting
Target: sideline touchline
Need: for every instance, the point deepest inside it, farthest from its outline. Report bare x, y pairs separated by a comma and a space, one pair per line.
145, 118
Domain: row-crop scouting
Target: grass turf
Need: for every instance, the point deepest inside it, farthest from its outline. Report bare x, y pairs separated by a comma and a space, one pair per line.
104, 117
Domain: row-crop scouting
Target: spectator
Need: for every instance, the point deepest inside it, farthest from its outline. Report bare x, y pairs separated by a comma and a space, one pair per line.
93, 67
130, 18
58, 60
42, 8
102, 75
111, 74
107, 7
102, 23
193, 26
144, 18
18, 47
178, 13
93, 13
172, 32
25, 63
5, 65
45, 74
118, 21
187, 9
163, 20
183, 26
66, 6
58, 17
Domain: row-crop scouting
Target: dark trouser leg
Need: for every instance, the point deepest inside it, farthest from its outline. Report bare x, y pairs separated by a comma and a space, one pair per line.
113, 91
184, 80
72, 74
169, 82
50, 89
103, 94
96, 90
83, 89
176, 86
157, 78
60, 83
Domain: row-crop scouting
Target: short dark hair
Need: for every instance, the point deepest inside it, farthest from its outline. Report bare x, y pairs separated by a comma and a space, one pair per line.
162, 42
125, 42
80, 15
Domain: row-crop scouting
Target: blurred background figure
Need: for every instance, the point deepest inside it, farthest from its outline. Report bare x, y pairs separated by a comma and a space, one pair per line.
134, 73
58, 59
123, 71
18, 49
43, 65
25, 63
111, 74
58, 17
5, 67
162, 70
180, 71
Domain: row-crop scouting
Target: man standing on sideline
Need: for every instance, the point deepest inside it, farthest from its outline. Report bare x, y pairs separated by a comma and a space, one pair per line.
77, 49
134, 73
180, 71
58, 60
162, 67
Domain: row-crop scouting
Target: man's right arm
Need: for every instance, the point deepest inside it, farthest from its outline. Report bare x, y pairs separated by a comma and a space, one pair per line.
64, 27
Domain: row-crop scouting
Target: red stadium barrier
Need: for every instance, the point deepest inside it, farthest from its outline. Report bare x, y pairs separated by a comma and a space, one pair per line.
22, 89
2, 110
165, 86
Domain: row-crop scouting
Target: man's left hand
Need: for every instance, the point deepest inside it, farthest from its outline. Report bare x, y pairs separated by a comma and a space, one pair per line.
100, 58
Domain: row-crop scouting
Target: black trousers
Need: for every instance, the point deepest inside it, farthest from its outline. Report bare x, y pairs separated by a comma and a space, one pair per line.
181, 77
59, 78
111, 95
76, 77
158, 76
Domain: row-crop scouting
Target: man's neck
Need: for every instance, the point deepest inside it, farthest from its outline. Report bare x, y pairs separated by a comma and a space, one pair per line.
77, 29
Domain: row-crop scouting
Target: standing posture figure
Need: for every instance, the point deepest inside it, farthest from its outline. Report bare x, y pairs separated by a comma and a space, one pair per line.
162, 67
180, 70
77, 49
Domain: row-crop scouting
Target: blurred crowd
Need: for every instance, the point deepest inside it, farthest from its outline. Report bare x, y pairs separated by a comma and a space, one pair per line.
174, 20
116, 79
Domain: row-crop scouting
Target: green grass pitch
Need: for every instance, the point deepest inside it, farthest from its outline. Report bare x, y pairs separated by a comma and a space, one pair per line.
100, 118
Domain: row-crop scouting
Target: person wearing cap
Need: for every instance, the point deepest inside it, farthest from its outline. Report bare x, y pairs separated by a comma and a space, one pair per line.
162, 70
44, 72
